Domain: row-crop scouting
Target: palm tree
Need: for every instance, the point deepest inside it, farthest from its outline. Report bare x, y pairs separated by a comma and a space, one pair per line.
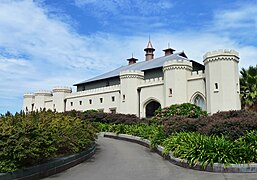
248, 88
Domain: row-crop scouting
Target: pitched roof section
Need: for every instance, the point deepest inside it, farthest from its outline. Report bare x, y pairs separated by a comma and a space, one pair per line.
142, 66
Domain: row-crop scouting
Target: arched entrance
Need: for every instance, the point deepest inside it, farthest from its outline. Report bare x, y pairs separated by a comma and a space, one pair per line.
150, 108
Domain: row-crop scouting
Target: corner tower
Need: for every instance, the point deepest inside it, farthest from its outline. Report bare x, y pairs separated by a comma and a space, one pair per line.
129, 98
59, 94
176, 73
222, 80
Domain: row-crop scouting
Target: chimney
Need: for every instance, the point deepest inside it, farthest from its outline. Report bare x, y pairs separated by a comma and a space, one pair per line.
149, 51
132, 60
168, 51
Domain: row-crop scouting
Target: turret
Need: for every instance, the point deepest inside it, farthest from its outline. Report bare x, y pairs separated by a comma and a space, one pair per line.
129, 81
149, 51
28, 102
40, 98
59, 94
176, 73
222, 80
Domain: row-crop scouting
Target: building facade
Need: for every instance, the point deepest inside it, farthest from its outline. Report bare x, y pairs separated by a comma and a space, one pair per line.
142, 87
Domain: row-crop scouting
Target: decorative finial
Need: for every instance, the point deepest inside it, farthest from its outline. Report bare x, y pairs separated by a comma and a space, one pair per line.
132, 55
168, 45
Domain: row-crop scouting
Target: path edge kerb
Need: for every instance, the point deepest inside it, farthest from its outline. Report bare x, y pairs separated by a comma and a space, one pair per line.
219, 168
52, 167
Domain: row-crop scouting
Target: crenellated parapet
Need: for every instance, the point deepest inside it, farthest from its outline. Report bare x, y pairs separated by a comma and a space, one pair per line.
152, 82
63, 89
177, 64
132, 74
29, 95
43, 93
225, 55
197, 75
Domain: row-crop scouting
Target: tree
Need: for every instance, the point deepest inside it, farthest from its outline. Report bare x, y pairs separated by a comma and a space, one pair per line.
248, 88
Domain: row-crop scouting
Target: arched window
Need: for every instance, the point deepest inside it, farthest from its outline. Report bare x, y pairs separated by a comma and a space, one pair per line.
199, 101
150, 108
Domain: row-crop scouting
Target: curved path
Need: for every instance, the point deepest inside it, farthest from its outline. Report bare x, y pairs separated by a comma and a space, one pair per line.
121, 160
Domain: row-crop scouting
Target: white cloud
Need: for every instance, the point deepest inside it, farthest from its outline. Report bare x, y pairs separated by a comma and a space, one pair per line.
243, 16
41, 38
39, 51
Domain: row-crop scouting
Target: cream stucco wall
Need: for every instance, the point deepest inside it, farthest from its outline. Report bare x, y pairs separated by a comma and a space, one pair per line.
222, 80
196, 86
176, 73
151, 90
82, 102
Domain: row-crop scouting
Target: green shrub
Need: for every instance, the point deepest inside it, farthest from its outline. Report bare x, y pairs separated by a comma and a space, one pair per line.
36, 137
184, 110
197, 148
96, 116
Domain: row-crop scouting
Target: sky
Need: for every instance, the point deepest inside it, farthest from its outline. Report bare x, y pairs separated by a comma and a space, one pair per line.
48, 43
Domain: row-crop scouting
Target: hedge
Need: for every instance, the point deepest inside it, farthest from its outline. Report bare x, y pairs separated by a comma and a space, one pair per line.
29, 139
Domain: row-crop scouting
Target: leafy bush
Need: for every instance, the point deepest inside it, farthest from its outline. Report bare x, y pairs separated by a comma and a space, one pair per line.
180, 124
34, 138
197, 148
231, 124
184, 110
96, 116
246, 147
142, 130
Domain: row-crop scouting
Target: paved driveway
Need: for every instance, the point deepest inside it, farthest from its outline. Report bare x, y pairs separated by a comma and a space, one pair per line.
121, 160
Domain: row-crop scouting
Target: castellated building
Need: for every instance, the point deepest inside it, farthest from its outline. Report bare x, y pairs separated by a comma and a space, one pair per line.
142, 87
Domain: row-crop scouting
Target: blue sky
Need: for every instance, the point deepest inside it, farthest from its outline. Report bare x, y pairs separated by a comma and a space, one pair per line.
47, 43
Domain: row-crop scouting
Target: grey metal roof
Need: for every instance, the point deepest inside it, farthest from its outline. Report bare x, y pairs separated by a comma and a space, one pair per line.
142, 66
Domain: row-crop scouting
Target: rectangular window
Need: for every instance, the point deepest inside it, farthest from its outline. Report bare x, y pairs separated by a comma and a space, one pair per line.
113, 98
80, 102
170, 92
71, 103
90, 101
216, 87
123, 97
101, 100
